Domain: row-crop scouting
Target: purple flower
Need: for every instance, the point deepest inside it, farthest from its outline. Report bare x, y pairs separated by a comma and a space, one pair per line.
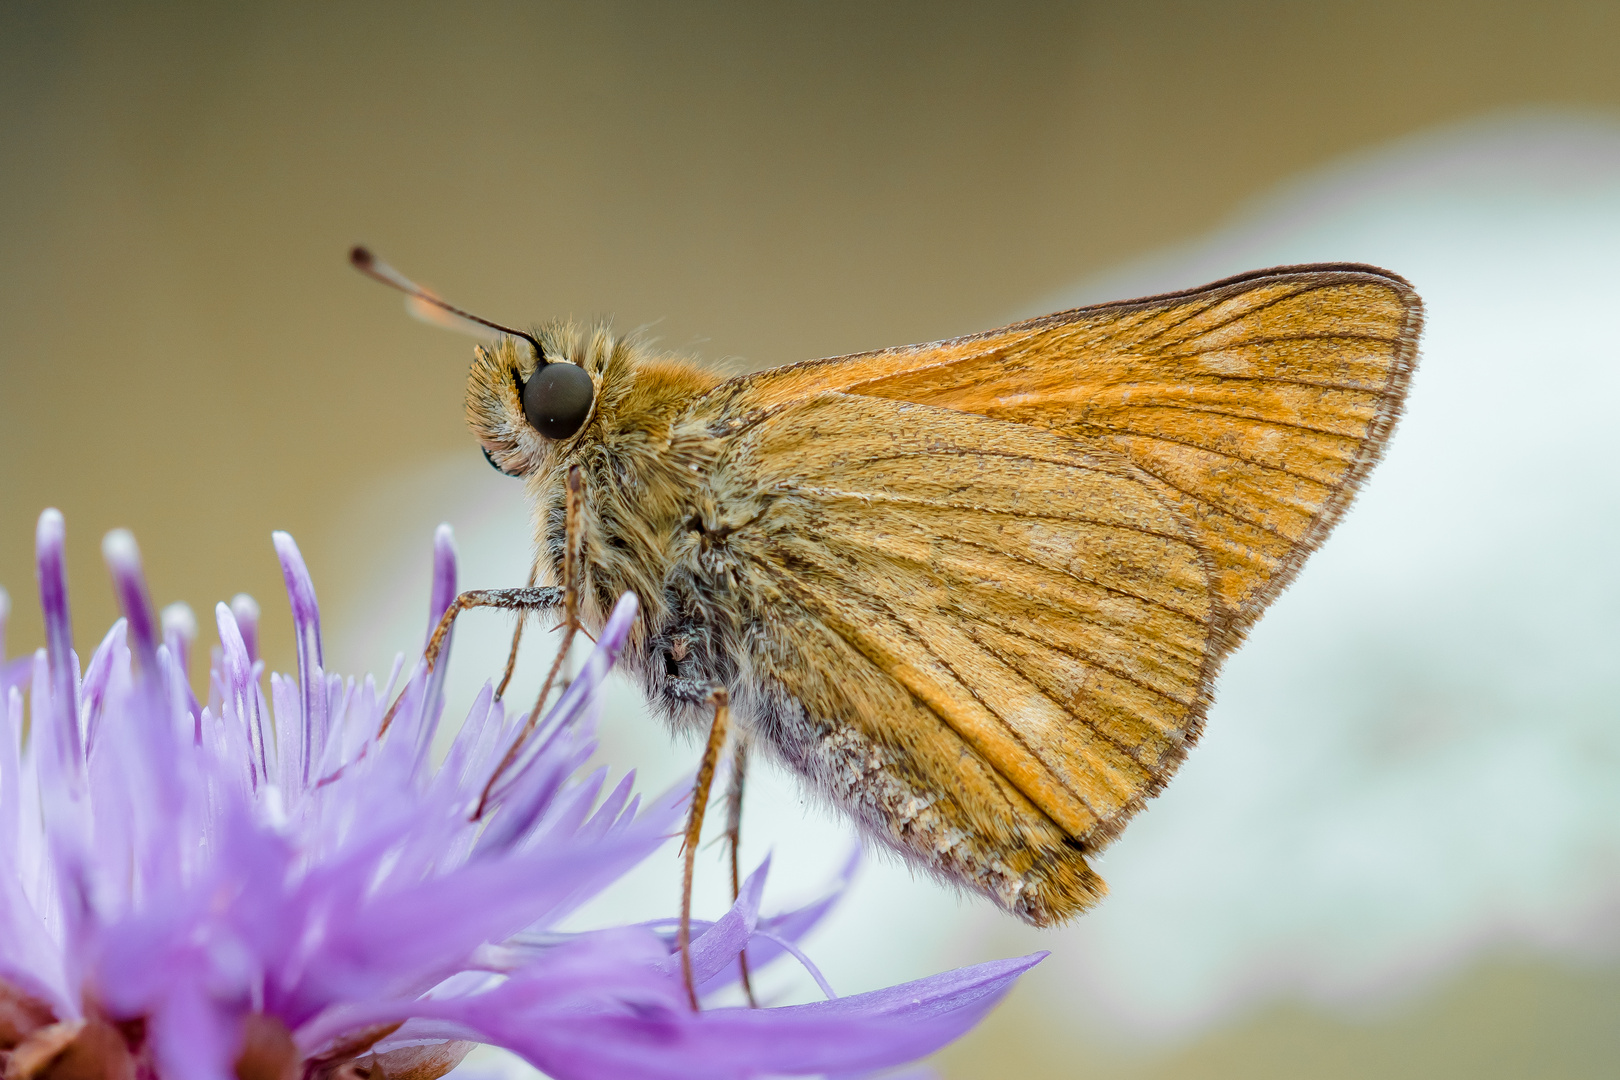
262, 887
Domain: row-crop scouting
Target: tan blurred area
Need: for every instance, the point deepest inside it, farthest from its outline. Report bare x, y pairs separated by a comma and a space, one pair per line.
184, 350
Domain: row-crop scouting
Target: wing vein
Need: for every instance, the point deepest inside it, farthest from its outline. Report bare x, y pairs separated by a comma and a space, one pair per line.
1196, 497
808, 599
1200, 411
912, 372
1084, 658
1194, 380
1247, 312
869, 497
1111, 589
1187, 318
1222, 453
1277, 340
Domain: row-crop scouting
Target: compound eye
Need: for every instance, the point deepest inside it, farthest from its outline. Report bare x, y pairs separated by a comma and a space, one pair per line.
557, 399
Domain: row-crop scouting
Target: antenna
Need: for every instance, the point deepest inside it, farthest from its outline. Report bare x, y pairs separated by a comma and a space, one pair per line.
374, 268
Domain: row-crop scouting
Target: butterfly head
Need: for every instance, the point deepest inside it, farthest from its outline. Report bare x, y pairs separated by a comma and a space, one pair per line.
528, 397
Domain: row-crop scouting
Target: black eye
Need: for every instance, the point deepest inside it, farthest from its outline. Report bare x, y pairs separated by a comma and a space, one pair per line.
496, 467
557, 399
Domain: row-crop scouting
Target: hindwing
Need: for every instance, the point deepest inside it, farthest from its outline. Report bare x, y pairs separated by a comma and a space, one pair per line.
1034, 597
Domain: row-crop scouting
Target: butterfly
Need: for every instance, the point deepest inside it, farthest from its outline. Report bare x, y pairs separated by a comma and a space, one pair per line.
974, 593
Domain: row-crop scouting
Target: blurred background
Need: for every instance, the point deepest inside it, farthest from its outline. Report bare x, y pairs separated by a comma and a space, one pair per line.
1397, 852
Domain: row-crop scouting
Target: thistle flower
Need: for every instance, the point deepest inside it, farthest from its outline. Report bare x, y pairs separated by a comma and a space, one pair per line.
263, 887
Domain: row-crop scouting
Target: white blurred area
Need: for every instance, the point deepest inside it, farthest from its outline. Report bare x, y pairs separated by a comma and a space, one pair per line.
1415, 760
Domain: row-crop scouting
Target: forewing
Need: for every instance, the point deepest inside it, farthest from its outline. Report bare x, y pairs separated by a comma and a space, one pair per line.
1255, 405
994, 590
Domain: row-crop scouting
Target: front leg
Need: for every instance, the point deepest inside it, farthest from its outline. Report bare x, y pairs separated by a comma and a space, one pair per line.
526, 600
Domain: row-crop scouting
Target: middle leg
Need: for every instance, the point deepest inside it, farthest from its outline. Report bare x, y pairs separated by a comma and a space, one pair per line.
694, 829
734, 797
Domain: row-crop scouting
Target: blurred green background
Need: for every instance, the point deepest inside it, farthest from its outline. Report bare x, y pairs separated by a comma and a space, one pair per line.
183, 350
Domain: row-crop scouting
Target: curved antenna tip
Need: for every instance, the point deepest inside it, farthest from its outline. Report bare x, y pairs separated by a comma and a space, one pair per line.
368, 264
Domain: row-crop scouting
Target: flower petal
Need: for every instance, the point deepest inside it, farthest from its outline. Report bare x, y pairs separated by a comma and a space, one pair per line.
857, 1033
50, 556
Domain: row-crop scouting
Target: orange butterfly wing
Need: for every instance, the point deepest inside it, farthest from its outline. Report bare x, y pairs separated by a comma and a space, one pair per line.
1257, 404
1010, 564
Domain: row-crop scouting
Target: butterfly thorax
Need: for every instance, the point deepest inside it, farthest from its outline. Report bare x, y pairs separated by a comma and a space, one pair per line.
651, 523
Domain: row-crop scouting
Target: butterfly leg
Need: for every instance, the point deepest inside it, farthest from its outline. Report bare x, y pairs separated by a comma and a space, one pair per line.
525, 600
571, 560
517, 636
694, 827
734, 795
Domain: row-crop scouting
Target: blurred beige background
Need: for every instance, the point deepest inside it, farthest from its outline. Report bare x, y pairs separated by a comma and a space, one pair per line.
183, 350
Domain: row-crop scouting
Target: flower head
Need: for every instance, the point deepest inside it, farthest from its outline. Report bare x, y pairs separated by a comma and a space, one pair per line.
267, 887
